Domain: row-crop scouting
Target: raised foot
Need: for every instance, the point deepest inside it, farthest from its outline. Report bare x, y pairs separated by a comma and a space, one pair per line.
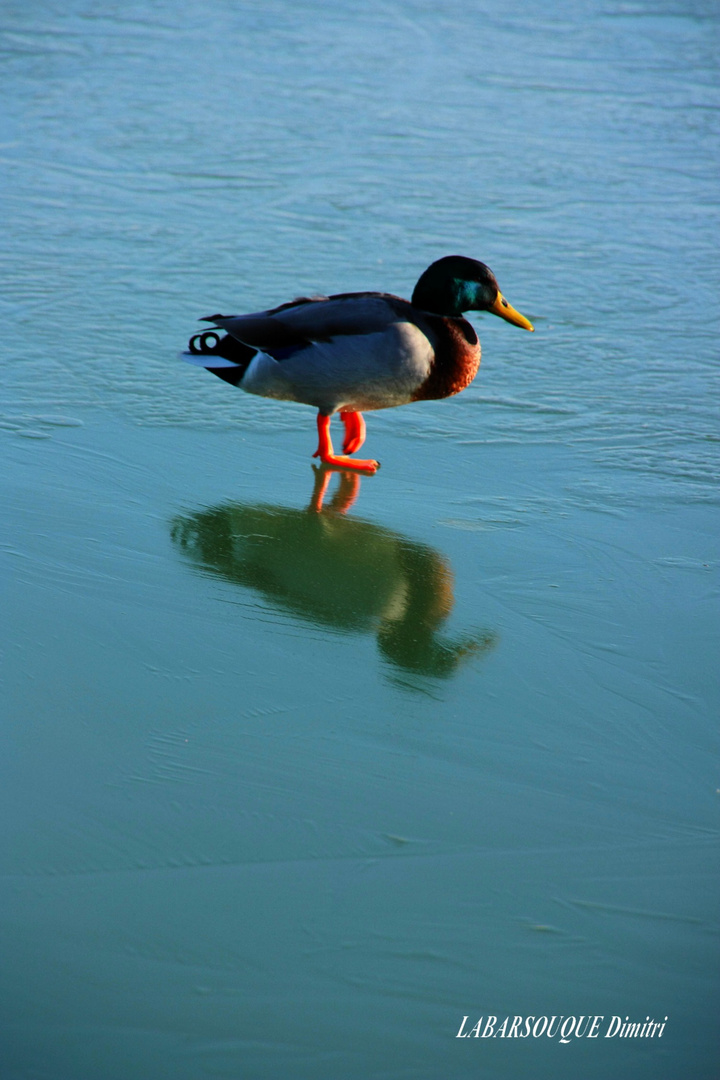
351, 445
354, 431
341, 461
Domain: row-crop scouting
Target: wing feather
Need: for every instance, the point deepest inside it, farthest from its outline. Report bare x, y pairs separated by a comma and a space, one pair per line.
296, 325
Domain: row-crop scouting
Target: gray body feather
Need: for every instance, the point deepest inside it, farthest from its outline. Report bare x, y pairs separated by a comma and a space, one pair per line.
355, 351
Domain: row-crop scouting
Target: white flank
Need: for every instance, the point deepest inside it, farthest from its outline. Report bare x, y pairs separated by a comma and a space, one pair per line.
363, 372
206, 360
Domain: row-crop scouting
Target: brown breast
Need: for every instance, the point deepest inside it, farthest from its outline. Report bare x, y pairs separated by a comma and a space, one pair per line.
457, 358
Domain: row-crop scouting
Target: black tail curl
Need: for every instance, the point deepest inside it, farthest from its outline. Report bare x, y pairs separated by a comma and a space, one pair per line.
210, 343
202, 344
223, 347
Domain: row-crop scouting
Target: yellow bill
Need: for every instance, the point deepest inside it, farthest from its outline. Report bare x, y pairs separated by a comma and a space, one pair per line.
507, 311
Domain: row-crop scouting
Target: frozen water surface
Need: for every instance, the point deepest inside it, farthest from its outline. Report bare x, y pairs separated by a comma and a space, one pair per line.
288, 793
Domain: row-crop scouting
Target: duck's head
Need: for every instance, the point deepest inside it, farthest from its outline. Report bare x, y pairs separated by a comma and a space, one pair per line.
456, 284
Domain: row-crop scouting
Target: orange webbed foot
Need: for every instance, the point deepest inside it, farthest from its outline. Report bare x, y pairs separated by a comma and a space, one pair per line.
340, 461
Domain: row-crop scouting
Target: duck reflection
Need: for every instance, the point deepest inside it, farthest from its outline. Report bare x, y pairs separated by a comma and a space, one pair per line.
335, 571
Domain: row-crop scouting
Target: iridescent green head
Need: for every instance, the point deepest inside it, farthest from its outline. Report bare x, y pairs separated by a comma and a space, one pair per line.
456, 284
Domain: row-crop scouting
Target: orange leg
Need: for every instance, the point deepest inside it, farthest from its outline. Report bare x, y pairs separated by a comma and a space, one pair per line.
327, 455
354, 431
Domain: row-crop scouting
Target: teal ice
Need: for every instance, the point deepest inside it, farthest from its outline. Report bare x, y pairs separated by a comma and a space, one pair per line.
301, 769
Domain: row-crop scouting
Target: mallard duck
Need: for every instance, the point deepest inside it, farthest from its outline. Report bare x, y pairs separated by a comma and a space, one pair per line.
354, 352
